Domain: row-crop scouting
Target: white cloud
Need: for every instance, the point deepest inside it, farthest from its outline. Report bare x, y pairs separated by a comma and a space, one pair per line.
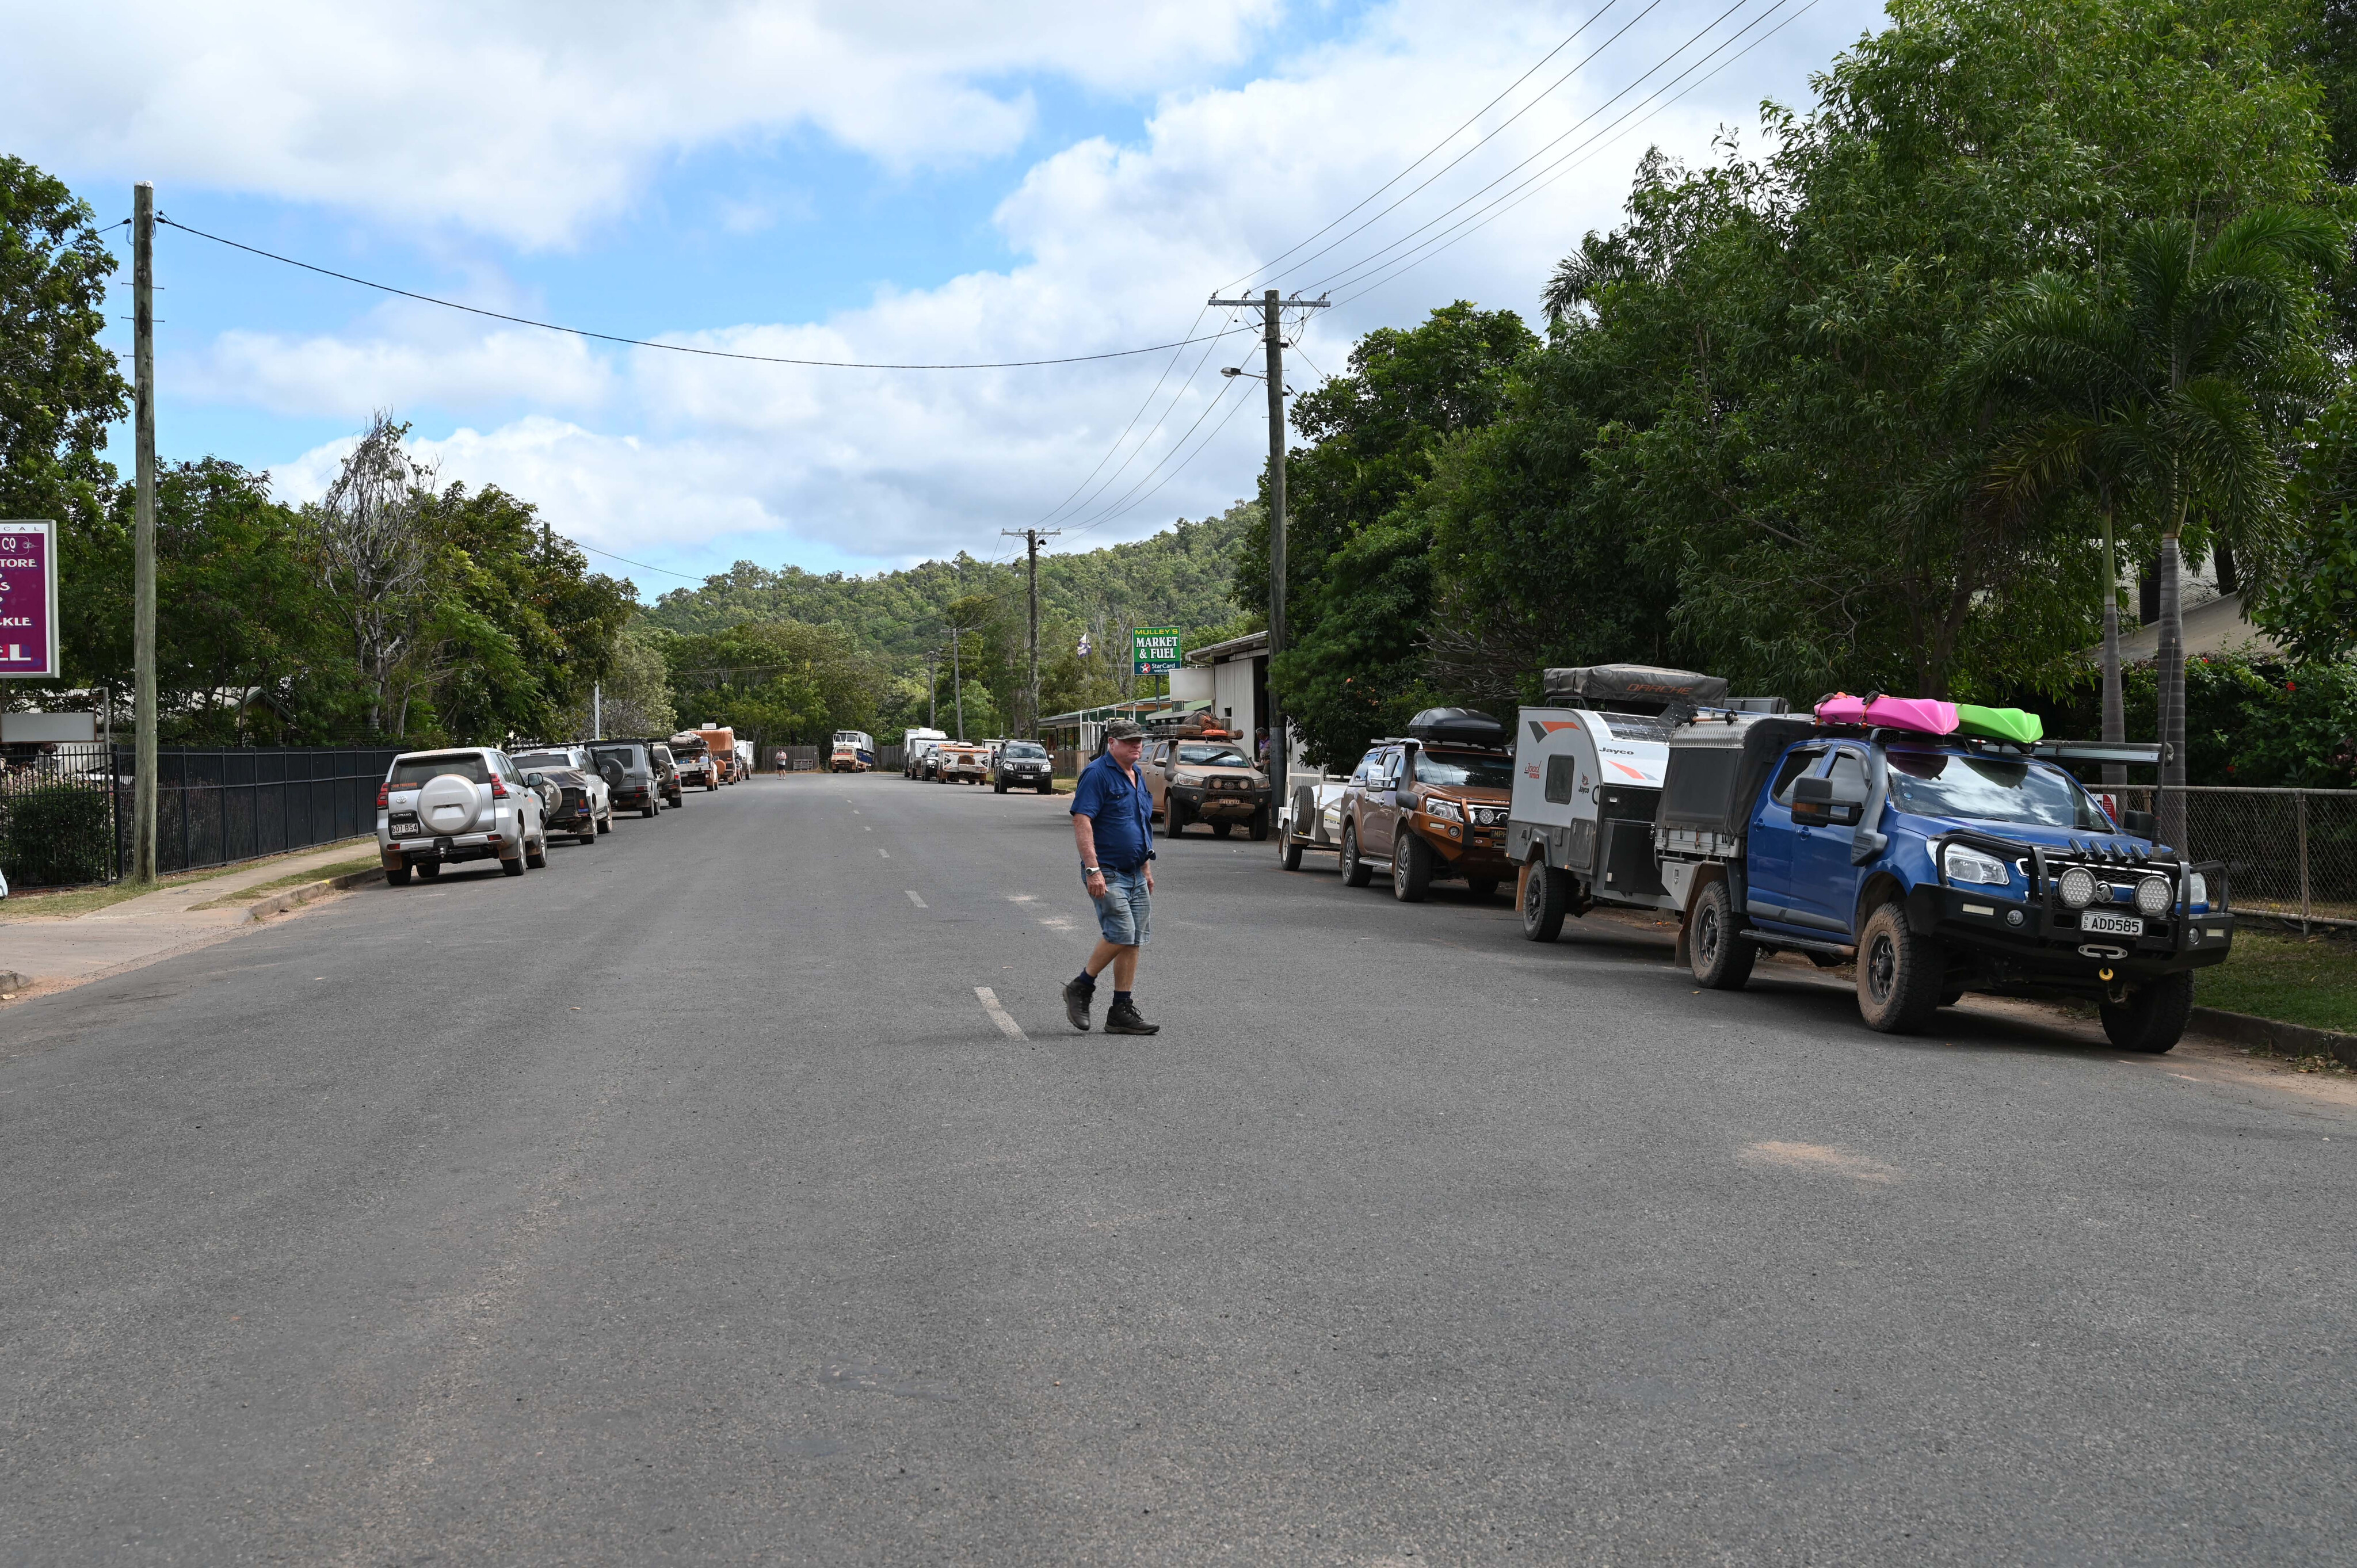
698, 459
528, 120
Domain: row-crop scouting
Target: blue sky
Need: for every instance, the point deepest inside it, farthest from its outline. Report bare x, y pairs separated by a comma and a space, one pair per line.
870, 181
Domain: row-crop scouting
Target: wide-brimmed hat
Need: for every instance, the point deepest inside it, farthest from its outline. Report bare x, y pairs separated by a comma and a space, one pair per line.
1122, 729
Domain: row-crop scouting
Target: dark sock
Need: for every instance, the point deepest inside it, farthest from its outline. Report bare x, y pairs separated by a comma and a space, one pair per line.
1121, 999
1086, 982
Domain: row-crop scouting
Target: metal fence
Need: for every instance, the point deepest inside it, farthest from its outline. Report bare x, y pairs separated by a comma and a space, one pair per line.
795, 758
65, 815
2288, 852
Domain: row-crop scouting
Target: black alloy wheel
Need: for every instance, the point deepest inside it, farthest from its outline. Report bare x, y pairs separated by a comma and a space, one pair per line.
1411, 866
1356, 872
1546, 898
1900, 975
1719, 952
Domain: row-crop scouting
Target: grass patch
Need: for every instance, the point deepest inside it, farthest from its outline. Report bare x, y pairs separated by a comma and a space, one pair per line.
64, 904
2288, 977
280, 884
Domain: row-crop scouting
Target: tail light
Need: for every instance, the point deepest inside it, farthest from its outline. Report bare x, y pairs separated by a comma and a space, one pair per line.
499, 788
383, 796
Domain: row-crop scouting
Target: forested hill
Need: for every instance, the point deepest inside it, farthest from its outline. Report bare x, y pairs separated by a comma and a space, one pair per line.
1178, 577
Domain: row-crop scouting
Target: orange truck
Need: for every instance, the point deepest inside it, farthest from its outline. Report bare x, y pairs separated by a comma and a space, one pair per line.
725, 766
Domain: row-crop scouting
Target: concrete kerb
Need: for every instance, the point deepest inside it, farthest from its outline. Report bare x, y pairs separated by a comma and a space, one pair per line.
2283, 1039
279, 903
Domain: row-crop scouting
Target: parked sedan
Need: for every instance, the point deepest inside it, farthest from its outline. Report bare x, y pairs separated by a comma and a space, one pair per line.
441, 808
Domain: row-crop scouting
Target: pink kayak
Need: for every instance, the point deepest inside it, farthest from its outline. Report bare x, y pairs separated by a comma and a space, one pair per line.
1927, 716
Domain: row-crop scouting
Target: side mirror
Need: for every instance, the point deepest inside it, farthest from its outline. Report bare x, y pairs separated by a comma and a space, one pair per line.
1814, 790
2139, 824
536, 779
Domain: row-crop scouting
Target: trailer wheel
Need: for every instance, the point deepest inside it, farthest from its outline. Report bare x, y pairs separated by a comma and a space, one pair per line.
1715, 946
1289, 851
1900, 975
1356, 872
2154, 1018
1411, 867
1546, 900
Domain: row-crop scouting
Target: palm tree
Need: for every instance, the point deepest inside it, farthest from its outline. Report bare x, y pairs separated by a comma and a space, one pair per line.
2162, 388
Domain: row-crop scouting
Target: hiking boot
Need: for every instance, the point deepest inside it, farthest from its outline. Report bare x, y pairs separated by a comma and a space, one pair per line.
1078, 998
1122, 1018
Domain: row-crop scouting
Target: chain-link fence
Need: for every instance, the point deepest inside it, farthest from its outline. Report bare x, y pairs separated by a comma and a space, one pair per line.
2289, 852
57, 816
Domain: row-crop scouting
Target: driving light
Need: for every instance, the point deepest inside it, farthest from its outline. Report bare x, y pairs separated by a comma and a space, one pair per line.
2077, 886
2152, 896
1966, 864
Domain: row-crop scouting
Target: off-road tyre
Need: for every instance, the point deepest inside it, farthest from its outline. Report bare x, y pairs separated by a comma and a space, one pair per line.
1260, 825
1481, 886
1288, 852
1356, 872
1546, 900
535, 855
2153, 1019
999, 788
589, 837
1900, 975
606, 822
1221, 830
397, 875
1175, 818
649, 812
428, 870
511, 867
1411, 867
1716, 947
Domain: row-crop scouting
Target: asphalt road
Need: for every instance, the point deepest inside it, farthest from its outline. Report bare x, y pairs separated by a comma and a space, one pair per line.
684, 1202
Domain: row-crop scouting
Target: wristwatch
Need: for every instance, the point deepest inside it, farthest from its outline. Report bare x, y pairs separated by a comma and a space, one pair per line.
1092, 870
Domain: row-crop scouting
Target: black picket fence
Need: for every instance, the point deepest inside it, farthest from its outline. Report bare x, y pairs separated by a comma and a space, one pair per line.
65, 816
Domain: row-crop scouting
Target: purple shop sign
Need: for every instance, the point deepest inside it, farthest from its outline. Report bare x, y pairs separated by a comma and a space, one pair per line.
28, 599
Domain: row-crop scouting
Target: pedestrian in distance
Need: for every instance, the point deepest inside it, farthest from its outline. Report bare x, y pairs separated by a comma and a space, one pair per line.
1111, 825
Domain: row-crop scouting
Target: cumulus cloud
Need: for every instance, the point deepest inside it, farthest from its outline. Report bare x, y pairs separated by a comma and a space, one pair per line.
529, 120
1119, 241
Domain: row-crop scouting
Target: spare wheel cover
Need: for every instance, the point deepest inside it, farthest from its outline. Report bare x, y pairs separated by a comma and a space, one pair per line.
448, 803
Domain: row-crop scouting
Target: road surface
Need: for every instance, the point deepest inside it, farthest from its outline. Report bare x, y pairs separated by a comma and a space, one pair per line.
687, 1201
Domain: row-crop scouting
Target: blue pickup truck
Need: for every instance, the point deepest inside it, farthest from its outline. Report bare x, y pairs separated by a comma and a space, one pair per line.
1939, 864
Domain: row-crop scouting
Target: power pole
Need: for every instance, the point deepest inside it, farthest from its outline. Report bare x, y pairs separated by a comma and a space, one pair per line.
1031, 537
143, 611
933, 691
957, 681
1271, 308
597, 710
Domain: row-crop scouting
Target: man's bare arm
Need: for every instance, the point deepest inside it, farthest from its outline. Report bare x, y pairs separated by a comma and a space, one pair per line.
1084, 835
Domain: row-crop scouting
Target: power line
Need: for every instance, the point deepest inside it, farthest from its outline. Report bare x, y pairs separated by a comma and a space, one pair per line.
1435, 146
1516, 167
678, 348
1126, 506
1465, 227
640, 564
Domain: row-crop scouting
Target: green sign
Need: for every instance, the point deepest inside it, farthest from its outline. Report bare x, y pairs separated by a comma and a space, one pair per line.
1155, 651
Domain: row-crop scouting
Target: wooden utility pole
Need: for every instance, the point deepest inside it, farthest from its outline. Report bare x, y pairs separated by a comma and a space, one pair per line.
957, 681
933, 692
1272, 308
143, 607
1031, 538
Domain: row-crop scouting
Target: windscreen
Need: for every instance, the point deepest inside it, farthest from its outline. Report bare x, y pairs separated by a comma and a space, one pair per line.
1987, 789
411, 771
1031, 750
1206, 755
543, 760
1467, 769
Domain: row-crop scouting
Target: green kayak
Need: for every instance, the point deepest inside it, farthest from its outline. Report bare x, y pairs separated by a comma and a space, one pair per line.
2015, 725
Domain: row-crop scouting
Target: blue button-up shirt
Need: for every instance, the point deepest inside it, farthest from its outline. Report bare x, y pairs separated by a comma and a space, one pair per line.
1121, 811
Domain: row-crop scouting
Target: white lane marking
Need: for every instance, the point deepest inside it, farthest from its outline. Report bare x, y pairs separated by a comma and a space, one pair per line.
920, 903
1023, 898
867, 830
999, 1016
1057, 922
885, 853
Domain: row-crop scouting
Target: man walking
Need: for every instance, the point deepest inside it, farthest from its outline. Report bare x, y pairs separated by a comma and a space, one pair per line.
1112, 827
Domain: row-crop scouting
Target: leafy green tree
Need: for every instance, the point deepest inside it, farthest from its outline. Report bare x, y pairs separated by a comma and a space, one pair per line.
776, 683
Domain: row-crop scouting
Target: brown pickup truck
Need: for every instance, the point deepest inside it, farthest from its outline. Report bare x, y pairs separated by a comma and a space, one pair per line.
1206, 778
1423, 811
962, 762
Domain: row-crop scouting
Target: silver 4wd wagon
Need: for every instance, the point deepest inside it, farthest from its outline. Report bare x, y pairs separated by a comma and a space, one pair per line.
438, 807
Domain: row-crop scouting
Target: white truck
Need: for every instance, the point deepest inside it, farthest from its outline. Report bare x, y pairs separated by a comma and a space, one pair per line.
917, 751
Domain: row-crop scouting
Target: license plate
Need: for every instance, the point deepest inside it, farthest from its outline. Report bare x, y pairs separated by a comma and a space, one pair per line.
402, 827
2112, 925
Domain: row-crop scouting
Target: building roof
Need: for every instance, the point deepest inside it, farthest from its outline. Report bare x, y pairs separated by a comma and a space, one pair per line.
1234, 648
2213, 627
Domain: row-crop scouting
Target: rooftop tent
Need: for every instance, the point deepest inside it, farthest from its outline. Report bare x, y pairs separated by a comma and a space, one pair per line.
1631, 688
1457, 726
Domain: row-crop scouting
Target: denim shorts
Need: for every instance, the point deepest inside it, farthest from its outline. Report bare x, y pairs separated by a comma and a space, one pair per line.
1121, 913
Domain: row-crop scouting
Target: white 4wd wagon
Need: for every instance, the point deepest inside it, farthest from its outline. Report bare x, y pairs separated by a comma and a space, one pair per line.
437, 808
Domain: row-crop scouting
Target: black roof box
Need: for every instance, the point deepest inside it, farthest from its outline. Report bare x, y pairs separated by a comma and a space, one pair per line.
1457, 726
1633, 688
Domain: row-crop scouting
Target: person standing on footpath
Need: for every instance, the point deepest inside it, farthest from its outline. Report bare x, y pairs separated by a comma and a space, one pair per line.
1111, 824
